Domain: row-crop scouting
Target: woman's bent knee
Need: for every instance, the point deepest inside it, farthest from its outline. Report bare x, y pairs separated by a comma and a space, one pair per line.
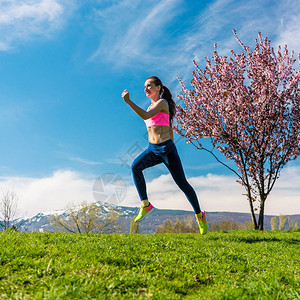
136, 166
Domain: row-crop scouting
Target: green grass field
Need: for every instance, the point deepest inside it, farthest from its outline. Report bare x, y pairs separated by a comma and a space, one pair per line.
220, 265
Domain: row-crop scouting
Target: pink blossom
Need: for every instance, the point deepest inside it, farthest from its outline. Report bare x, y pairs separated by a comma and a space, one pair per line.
249, 106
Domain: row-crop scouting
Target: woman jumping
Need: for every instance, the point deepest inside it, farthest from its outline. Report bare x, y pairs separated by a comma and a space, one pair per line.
161, 149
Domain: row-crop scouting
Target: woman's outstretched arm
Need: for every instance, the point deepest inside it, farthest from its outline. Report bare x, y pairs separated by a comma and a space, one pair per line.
157, 107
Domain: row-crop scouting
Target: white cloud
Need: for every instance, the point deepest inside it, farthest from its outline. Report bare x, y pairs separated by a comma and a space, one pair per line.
148, 27
48, 193
290, 33
26, 19
215, 24
129, 29
215, 192
221, 193
285, 197
84, 161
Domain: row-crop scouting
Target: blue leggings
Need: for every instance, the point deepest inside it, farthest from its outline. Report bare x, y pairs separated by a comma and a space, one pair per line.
166, 153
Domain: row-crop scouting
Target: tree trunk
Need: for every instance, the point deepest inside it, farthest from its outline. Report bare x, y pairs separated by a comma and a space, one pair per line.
261, 214
251, 208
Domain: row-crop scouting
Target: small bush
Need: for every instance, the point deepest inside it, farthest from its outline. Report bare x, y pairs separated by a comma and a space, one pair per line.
282, 221
274, 223
189, 225
229, 225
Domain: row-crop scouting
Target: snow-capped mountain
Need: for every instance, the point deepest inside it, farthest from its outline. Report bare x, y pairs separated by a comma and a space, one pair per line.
42, 221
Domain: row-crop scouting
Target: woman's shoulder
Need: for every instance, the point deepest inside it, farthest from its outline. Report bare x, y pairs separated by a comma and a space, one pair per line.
162, 104
165, 105
163, 101
166, 102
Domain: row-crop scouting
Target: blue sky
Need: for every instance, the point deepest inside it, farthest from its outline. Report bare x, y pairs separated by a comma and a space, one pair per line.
64, 65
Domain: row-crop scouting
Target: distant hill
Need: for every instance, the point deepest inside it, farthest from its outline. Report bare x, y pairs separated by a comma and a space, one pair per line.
42, 220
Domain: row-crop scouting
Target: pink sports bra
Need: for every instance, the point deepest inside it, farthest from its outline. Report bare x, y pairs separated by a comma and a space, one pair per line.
160, 118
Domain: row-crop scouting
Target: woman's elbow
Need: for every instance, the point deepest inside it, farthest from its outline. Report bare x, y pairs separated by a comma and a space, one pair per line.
146, 116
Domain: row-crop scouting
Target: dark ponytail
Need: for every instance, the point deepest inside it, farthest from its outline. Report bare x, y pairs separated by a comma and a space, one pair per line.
165, 94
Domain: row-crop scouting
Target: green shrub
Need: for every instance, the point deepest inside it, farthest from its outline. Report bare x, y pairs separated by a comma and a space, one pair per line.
274, 223
282, 221
189, 225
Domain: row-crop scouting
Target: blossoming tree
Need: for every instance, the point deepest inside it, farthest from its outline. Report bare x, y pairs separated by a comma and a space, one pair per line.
248, 105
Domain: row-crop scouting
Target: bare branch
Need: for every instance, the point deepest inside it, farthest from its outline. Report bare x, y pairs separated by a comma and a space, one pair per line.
87, 218
8, 209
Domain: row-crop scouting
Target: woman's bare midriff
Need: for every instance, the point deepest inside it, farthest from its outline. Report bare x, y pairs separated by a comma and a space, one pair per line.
159, 134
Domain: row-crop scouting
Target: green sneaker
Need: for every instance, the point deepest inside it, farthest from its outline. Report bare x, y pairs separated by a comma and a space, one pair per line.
203, 225
144, 212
